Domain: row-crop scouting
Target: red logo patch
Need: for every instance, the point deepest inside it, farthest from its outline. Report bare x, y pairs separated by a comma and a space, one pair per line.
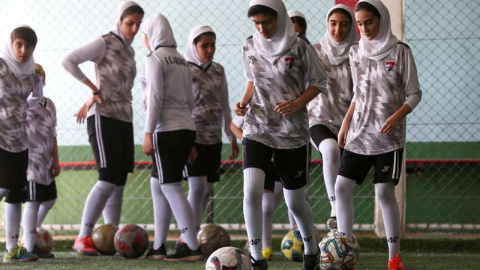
389, 65
289, 61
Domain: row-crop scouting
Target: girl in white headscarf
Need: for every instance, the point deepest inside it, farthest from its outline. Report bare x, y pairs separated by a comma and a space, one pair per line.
109, 117
277, 64
169, 137
327, 110
386, 89
299, 22
18, 81
211, 111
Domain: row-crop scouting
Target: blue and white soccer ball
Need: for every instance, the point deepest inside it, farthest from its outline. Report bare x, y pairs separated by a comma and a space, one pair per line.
338, 253
228, 258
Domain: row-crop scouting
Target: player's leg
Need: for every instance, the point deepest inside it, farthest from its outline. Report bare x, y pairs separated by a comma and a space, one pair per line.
43, 211
353, 170
113, 208
268, 208
171, 153
196, 197
293, 168
30, 217
387, 175
255, 158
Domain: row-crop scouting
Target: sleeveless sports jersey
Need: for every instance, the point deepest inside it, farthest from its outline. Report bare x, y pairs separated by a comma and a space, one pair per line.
330, 107
13, 105
283, 80
41, 123
115, 74
211, 107
380, 88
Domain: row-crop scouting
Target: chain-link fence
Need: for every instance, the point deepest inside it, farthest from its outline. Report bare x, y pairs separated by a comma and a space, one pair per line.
443, 149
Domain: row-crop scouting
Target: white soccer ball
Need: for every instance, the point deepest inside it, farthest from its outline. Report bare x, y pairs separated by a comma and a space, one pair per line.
338, 253
44, 240
228, 257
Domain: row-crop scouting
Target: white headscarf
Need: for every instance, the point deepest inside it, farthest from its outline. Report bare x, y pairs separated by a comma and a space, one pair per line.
337, 52
122, 6
159, 32
191, 54
272, 49
21, 70
379, 47
296, 13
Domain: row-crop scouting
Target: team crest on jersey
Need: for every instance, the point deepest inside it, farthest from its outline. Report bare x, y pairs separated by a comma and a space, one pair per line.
389, 65
252, 59
289, 61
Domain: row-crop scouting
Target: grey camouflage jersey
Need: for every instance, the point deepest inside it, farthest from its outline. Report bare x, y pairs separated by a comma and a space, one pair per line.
13, 105
284, 80
41, 123
211, 108
330, 107
380, 88
115, 75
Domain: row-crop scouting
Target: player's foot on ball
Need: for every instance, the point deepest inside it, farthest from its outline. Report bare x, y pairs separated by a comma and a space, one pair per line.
395, 263
19, 254
332, 223
157, 254
311, 262
85, 246
42, 254
267, 254
184, 253
259, 264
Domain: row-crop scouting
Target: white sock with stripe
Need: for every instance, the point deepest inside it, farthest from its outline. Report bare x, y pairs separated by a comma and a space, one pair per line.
162, 214
30, 224
253, 181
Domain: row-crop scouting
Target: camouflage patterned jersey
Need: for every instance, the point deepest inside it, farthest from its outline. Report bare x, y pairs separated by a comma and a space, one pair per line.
41, 123
211, 109
330, 107
115, 74
281, 81
380, 88
13, 105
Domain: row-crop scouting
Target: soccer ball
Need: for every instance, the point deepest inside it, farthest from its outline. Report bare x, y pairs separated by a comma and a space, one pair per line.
228, 258
211, 238
337, 252
44, 240
292, 244
102, 238
131, 241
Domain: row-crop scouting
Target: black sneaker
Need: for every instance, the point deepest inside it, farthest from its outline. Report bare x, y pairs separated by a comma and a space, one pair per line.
157, 254
311, 262
179, 244
42, 254
259, 264
184, 253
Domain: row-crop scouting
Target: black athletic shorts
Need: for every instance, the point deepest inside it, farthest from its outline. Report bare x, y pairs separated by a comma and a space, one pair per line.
387, 166
271, 176
113, 148
291, 164
207, 162
171, 151
41, 193
13, 175
318, 133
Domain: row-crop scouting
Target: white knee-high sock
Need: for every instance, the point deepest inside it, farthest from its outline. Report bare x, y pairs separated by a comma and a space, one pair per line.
183, 213
113, 208
268, 208
96, 200
253, 181
331, 161
43, 211
196, 198
301, 210
161, 213
208, 194
13, 215
3, 193
30, 224
344, 203
391, 216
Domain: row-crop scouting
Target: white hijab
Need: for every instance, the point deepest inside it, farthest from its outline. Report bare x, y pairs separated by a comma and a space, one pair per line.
272, 49
159, 32
122, 6
379, 47
296, 13
337, 52
20, 70
191, 54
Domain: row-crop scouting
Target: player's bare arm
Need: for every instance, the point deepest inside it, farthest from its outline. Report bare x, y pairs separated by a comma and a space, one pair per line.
342, 134
392, 122
241, 107
291, 107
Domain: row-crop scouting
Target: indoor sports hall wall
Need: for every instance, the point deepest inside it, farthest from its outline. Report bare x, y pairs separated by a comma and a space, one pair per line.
443, 132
